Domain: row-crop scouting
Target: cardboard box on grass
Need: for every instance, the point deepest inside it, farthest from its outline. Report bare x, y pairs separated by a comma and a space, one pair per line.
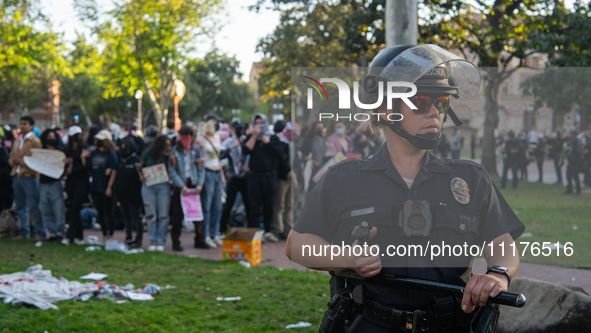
243, 244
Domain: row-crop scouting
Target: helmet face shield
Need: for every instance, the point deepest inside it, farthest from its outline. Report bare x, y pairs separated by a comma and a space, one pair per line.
453, 75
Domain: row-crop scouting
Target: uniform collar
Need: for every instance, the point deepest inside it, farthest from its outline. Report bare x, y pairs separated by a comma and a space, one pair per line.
431, 164
381, 161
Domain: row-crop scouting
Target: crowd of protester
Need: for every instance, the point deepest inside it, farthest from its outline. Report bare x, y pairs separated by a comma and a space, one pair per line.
241, 171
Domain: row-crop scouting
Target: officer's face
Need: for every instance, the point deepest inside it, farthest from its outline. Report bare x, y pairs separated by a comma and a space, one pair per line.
415, 123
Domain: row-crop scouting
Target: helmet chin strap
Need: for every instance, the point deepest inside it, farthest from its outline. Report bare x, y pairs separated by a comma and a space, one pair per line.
419, 141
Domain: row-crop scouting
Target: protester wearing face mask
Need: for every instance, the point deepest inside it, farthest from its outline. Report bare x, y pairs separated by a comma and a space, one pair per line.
157, 196
128, 191
104, 172
51, 198
78, 166
338, 142
186, 174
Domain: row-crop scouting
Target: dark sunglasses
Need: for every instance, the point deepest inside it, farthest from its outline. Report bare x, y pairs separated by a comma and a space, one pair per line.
423, 103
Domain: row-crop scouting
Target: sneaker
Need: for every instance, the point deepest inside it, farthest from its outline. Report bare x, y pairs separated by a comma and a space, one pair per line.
269, 237
78, 241
66, 241
136, 245
177, 248
218, 241
159, 248
152, 248
210, 243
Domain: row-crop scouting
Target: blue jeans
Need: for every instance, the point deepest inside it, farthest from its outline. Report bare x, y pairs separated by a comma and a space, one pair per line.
26, 197
51, 200
211, 203
156, 204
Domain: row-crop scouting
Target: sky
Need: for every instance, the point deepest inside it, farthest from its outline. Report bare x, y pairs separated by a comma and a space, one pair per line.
239, 35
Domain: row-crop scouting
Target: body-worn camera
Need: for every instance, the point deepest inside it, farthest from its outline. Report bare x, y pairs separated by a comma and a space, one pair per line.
415, 218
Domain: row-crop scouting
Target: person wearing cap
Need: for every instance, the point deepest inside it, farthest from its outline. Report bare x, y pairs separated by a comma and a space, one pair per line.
25, 182
104, 172
78, 167
405, 196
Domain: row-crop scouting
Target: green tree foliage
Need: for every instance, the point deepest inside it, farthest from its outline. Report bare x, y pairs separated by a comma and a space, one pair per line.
318, 34
146, 42
491, 33
566, 38
82, 87
29, 58
213, 87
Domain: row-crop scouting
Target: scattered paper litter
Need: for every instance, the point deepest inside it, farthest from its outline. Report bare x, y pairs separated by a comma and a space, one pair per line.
94, 276
139, 296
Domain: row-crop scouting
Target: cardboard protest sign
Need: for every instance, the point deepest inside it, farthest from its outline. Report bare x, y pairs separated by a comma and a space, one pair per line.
155, 174
47, 162
191, 203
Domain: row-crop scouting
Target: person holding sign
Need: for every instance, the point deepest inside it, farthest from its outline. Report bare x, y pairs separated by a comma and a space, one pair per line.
51, 192
156, 190
186, 176
104, 172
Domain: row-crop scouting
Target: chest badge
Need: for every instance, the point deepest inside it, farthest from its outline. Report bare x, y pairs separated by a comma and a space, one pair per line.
460, 190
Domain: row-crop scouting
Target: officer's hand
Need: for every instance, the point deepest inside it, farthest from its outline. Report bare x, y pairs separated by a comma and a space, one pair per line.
480, 288
366, 265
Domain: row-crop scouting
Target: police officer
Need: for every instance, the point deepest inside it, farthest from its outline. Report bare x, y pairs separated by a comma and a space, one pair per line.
511, 153
406, 196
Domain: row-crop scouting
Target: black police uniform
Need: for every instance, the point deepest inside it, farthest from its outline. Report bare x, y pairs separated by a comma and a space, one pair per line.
372, 190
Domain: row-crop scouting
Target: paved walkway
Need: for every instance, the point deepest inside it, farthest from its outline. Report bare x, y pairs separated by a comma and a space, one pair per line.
274, 255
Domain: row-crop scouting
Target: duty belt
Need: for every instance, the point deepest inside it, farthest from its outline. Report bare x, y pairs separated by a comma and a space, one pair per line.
398, 320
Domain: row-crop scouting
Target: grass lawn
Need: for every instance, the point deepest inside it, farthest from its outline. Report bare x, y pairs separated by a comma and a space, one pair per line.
271, 298
553, 217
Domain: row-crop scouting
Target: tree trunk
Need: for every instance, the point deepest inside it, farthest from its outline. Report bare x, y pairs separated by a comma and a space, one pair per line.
401, 22
491, 121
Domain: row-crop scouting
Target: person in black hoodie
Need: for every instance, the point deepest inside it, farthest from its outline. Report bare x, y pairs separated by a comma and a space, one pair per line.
78, 165
128, 191
6, 196
51, 192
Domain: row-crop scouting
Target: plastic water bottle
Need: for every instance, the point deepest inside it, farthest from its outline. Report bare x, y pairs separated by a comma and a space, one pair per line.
301, 324
244, 263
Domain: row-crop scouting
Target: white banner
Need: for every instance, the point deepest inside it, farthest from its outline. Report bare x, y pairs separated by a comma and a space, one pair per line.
47, 162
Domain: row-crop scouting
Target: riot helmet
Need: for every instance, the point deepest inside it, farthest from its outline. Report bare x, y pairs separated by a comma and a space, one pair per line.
433, 70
